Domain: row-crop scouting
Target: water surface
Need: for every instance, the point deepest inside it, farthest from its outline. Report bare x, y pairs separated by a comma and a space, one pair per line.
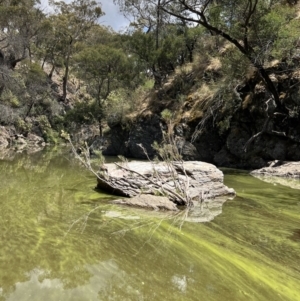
61, 240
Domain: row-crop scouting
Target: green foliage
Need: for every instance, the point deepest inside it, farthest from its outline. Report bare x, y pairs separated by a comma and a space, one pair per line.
163, 51
43, 122
148, 84
58, 123
287, 32
234, 64
117, 71
119, 105
167, 115
35, 73
180, 98
224, 124
84, 113
20, 24
22, 126
49, 135
103, 68
68, 28
9, 98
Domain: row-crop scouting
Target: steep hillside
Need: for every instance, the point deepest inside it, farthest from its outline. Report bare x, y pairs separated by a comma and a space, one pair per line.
218, 120
224, 86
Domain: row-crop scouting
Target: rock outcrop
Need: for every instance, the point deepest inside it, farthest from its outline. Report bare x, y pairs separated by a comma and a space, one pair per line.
9, 138
124, 141
180, 181
220, 133
280, 173
279, 168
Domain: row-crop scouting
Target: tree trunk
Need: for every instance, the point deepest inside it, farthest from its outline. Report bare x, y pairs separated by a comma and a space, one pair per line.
66, 76
51, 72
65, 81
100, 127
157, 25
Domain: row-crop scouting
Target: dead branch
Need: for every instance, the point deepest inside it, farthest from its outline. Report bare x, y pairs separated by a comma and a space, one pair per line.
174, 194
264, 129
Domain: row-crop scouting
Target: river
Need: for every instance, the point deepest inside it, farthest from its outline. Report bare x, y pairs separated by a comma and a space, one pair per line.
61, 240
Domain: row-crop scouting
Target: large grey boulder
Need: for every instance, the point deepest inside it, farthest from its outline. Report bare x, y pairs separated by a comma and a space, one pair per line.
179, 181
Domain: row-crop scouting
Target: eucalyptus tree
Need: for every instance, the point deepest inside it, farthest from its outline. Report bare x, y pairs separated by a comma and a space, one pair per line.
147, 15
164, 59
101, 67
20, 24
147, 19
104, 66
156, 38
70, 24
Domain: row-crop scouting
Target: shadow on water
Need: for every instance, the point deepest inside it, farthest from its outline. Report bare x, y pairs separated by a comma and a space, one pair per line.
61, 240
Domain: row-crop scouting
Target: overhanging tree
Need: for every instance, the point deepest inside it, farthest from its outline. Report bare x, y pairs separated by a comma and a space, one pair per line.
260, 30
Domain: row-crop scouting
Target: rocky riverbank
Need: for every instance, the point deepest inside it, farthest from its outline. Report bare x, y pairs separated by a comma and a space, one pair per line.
9, 138
218, 130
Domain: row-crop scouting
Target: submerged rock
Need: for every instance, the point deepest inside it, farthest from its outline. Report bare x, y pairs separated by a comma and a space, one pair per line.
148, 201
198, 180
200, 212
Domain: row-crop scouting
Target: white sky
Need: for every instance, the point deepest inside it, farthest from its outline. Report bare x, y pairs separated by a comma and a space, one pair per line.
111, 18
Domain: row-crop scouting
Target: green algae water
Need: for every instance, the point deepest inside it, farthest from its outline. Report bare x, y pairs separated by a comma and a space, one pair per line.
61, 240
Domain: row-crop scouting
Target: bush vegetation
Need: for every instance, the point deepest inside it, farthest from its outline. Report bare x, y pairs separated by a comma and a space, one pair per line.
63, 69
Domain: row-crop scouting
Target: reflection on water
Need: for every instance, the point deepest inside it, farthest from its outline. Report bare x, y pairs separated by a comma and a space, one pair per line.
60, 240
289, 182
102, 278
205, 211
200, 212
